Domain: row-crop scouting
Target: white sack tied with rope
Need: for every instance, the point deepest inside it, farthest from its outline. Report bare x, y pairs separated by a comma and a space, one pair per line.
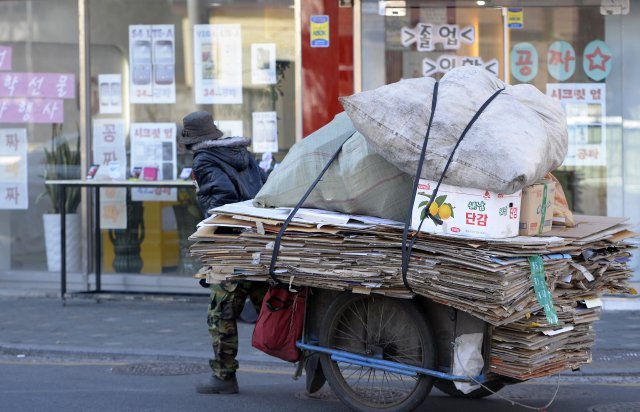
520, 136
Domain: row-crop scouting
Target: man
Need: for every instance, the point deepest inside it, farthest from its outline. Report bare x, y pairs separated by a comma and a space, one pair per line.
225, 172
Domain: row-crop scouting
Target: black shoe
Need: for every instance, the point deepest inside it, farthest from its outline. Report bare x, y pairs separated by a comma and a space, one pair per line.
215, 385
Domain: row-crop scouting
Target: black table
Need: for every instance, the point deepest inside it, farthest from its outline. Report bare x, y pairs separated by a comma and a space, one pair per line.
97, 185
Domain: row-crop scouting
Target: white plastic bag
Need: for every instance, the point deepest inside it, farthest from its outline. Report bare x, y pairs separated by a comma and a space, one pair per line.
467, 359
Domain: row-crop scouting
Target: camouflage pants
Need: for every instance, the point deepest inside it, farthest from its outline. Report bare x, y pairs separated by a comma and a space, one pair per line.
227, 302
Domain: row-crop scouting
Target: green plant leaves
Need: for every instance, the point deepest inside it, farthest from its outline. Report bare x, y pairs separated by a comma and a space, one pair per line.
62, 163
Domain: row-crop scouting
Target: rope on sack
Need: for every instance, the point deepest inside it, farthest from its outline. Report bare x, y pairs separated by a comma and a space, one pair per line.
406, 250
276, 245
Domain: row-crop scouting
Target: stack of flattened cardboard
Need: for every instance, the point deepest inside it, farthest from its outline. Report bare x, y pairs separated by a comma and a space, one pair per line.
532, 355
337, 251
532, 347
490, 279
346, 256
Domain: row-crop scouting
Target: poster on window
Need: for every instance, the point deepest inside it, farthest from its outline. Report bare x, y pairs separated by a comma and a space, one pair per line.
110, 93
585, 106
152, 63
25, 110
38, 85
230, 128
265, 132
109, 152
6, 57
153, 149
263, 63
218, 63
14, 191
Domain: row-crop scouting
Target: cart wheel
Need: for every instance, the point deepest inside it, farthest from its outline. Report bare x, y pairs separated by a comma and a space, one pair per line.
380, 328
450, 389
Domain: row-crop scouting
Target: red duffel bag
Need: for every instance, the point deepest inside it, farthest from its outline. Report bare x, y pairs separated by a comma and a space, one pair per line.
279, 325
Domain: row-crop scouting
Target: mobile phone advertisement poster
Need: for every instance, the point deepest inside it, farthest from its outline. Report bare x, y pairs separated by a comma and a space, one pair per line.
152, 64
218, 63
110, 93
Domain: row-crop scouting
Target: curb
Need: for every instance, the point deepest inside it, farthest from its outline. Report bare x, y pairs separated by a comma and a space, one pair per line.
620, 303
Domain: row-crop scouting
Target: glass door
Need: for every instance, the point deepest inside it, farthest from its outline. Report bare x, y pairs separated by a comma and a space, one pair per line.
569, 51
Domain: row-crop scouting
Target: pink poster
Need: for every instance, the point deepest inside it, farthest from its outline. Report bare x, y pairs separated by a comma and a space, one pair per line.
31, 110
47, 85
14, 192
5, 58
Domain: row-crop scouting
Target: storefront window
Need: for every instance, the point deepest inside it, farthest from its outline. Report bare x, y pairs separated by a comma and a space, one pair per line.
577, 67
152, 63
38, 114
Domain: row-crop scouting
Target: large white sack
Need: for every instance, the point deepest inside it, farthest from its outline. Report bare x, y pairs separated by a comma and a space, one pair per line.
520, 136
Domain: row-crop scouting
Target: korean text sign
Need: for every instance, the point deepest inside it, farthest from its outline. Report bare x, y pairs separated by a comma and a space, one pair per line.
14, 192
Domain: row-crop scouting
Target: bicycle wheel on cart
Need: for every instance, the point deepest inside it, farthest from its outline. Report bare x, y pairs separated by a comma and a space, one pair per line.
384, 329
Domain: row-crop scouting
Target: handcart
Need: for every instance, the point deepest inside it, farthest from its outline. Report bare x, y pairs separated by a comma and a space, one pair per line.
380, 353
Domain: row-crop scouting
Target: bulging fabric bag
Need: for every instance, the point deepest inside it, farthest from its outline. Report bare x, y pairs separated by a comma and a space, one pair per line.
520, 137
359, 181
280, 322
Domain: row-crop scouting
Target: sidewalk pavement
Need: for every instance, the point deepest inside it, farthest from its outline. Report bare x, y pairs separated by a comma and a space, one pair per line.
174, 329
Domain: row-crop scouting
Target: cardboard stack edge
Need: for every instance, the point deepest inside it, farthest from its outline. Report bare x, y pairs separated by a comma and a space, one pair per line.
488, 278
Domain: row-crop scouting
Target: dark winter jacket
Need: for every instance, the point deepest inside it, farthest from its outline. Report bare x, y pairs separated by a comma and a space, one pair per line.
226, 172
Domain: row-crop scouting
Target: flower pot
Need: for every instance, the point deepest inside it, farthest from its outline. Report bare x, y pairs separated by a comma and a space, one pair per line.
127, 258
52, 242
126, 242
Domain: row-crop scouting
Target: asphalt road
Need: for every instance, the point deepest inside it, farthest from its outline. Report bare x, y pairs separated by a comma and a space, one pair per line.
148, 355
65, 384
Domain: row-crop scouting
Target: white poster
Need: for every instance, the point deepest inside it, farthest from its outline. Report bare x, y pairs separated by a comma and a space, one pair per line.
265, 132
110, 93
230, 128
218, 63
113, 208
153, 145
14, 190
109, 152
152, 64
263, 63
585, 105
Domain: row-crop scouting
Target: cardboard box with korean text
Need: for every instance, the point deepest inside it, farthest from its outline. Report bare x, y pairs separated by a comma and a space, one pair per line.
467, 212
536, 214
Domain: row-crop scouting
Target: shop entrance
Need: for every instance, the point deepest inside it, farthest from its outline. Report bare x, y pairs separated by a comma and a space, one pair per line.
570, 52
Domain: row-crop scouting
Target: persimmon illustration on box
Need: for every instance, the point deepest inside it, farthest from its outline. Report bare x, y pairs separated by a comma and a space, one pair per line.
438, 208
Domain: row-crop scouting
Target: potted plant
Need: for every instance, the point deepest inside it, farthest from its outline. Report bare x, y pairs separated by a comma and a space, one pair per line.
62, 163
